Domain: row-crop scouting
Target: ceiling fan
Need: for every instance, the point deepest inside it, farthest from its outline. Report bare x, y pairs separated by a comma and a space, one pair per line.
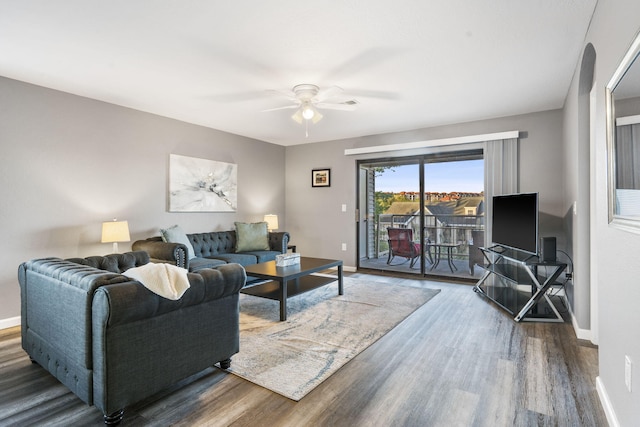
308, 99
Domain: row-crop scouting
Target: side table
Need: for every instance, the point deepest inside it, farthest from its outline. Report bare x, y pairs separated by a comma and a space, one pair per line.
438, 254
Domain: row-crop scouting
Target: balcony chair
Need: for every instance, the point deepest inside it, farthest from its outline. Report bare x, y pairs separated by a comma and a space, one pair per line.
401, 244
475, 254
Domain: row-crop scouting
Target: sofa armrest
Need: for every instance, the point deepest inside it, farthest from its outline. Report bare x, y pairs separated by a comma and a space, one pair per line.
159, 251
278, 241
56, 296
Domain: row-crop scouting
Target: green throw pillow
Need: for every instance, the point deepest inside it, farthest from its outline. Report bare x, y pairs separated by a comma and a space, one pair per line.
252, 237
176, 235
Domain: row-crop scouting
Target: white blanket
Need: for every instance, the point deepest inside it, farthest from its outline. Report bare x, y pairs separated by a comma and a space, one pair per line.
168, 281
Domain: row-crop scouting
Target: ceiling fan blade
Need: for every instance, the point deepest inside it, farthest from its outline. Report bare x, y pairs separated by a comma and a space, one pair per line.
289, 94
236, 96
328, 93
363, 61
374, 94
288, 107
343, 106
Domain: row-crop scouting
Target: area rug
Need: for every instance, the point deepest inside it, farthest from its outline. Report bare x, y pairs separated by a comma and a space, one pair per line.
323, 331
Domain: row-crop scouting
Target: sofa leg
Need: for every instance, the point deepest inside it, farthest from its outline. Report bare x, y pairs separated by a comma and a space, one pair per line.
225, 364
115, 418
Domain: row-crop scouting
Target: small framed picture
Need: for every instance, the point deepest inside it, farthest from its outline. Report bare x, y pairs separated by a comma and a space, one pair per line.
321, 178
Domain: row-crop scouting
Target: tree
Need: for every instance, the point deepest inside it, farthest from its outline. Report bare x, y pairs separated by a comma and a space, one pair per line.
383, 201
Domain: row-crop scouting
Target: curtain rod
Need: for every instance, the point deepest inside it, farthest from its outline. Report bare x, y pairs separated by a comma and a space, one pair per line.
432, 143
628, 120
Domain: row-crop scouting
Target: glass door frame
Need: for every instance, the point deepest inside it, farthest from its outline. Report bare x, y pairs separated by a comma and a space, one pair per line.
363, 216
405, 160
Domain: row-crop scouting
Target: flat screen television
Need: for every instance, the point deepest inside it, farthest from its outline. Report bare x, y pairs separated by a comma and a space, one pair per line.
515, 221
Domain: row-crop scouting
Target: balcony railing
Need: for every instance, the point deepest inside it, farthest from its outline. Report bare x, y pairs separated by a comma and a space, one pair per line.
438, 229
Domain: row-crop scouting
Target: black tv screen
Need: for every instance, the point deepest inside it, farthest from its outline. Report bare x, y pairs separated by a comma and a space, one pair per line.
515, 221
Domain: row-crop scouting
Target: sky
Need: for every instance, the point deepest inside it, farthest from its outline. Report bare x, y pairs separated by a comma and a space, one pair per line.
445, 177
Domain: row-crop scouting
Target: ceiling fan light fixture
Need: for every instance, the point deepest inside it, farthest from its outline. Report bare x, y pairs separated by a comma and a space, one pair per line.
316, 117
308, 98
308, 112
297, 116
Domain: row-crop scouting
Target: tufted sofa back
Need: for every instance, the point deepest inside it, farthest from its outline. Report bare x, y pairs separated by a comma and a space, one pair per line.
213, 243
217, 245
115, 263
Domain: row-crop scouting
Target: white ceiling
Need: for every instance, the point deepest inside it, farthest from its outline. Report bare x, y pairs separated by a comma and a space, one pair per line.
410, 63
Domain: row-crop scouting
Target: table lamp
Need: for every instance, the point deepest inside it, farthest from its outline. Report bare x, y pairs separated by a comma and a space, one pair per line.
114, 232
272, 221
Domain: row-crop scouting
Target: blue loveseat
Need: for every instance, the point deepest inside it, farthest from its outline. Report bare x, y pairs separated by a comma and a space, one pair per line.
211, 249
112, 341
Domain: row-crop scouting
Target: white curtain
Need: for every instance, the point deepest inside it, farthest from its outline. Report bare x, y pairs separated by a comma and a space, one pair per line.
500, 175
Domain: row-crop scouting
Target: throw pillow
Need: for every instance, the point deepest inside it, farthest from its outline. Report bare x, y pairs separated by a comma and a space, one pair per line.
252, 237
176, 235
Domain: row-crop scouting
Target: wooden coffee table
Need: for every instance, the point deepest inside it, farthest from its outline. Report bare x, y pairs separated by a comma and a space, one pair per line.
286, 282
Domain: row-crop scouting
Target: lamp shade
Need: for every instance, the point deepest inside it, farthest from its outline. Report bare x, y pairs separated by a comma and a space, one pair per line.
272, 221
115, 231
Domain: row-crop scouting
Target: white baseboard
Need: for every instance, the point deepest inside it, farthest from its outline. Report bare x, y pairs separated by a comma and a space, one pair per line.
581, 334
10, 322
606, 404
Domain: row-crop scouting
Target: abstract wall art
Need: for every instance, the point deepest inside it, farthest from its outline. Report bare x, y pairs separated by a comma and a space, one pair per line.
201, 185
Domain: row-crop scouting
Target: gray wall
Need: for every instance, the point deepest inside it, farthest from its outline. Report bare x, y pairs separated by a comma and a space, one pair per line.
615, 257
69, 163
320, 227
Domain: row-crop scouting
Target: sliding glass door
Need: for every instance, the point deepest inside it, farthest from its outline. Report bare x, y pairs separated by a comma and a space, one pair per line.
435, 201
391, 200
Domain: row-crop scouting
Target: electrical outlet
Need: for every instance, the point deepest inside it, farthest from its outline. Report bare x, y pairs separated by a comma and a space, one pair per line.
344, 246
627, 372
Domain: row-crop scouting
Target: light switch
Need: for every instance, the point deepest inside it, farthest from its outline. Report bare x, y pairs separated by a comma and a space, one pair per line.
344, 208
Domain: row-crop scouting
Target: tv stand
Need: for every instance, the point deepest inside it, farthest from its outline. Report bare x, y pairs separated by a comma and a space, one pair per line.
518, 282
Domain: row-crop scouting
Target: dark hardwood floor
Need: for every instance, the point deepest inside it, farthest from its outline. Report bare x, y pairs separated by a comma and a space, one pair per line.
456, 361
